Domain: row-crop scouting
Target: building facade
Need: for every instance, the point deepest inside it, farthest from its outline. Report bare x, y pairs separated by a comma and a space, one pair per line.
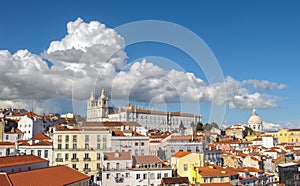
81, 149
97, 108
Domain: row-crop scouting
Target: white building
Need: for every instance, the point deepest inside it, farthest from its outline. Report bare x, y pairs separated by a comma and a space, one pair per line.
13, 136
149, 170
7, 149
97, 108
255, 123
153, 119
116, 168
268, 141
31, 124
39, 145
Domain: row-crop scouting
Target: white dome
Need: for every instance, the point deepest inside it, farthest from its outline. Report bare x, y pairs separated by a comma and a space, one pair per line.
254, 119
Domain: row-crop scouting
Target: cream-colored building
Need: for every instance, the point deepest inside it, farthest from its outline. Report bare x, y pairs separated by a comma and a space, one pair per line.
181, 161
81, 150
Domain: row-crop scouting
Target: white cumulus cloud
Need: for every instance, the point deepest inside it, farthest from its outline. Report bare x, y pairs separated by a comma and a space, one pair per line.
91, 55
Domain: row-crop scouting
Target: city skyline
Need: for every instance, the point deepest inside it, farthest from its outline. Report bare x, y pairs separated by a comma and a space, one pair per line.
255, 45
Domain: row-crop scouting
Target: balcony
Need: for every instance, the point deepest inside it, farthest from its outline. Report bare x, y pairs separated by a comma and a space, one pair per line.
74, 159
119, 180
86, 170
86, 159
59, 160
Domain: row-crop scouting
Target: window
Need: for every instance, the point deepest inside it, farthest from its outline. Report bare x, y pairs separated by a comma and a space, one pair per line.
86, 146
138, 176
74, 138
98, 156
67, 138
222, 179
6, 137
59, 146
136, 152
127, 175
39, 153
86, 166
145, 176
185, 167
59, 138
74, 166
165, 175
142, 152
211, 180
66, 157
98, 146
46, 154
158, 175
104, 139
117, 166
86, 138
136, 144
98, 165
98, 138
67, 146
31, 152
74, 146
74, 156
107, 176
104, 145
142, 143
86, 155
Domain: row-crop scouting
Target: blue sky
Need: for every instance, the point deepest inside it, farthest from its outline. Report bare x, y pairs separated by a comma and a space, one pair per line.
250, 39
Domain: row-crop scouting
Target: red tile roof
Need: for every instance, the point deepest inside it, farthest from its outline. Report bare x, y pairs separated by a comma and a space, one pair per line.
5, 143
108, 156
4, 180
118, 133
181, 154
50, 176
175, 180
147, 159
20, 160
43, 143
41, 136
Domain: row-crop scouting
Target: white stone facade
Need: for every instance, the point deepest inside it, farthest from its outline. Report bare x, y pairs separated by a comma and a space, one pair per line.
97, 108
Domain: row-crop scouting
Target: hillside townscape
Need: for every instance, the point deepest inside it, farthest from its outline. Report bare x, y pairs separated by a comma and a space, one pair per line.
136, 146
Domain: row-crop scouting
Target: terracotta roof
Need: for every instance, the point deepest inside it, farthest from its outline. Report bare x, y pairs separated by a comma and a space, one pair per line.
50, 176
28, 114
147, 159
5, 143
175, 180
4, 180
210, 171
43, 143
271, 150
108, 156
41, 136
19, 160
135, 133
252, 169
181, 154
117, 133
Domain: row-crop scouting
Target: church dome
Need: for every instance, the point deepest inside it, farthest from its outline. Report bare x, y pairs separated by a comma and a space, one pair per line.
254, 119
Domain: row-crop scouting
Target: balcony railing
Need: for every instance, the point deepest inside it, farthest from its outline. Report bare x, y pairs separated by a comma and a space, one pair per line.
74, 159
59, 160
86, 159
86, 170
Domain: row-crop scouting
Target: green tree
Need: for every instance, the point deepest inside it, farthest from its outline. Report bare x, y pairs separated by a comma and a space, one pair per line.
199, 126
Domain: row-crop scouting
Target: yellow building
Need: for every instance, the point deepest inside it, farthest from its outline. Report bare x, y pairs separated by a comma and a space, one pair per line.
289, 136
181, 161
272, 133
212, 174
81, 150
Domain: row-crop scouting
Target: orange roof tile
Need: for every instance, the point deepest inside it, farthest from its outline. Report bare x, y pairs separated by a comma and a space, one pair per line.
108, 156
175, 180
4, 180
147, 159
118, 133
5, 143
50, 176
181, 154
43, 143
19, 160
41, 136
